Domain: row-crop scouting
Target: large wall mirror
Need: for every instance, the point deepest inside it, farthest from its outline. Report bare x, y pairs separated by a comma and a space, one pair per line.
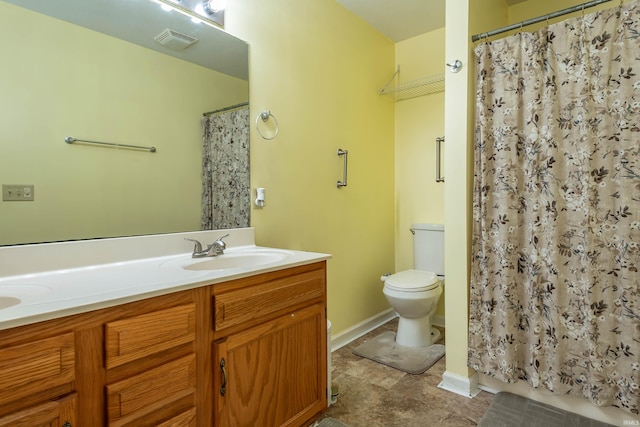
91, 69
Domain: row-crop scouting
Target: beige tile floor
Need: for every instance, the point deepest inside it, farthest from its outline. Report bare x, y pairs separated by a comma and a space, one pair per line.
375, 395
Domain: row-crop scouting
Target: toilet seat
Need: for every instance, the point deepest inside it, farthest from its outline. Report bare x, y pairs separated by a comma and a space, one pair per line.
412, 281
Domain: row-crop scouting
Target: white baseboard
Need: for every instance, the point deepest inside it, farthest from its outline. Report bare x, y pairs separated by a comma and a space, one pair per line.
358, 330
464, 386
367, 325
488, 389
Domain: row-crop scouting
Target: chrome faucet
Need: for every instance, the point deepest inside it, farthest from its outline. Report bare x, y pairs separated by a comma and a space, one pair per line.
214, 249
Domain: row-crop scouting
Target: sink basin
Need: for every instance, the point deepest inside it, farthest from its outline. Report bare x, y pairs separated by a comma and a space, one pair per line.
14, 294
239, 260
6, 302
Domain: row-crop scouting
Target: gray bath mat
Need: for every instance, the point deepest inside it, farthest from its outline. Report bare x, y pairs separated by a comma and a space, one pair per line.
413, 360
330, 422
510, 410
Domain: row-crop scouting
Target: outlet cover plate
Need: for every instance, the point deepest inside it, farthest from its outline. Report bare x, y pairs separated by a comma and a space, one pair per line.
17, 193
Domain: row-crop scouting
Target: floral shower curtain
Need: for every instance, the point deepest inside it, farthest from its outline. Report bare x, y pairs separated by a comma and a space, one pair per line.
555, 296
225, 170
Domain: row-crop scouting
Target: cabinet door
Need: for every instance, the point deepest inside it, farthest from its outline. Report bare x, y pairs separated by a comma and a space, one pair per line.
59, 413
274, 374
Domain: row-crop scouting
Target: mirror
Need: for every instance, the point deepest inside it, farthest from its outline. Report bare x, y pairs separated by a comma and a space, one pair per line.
91, 70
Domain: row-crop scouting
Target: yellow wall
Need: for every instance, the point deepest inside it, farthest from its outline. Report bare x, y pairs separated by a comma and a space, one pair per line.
318, 68
459, 116
55, 83
418, 122
531, 9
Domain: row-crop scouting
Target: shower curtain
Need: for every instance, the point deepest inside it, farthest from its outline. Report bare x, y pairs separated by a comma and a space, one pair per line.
556, 212
225, 170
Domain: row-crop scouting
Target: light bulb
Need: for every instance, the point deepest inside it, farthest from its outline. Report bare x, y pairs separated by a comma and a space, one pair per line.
213, 6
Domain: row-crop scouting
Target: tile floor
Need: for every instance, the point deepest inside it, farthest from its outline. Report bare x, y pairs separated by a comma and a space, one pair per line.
374, 395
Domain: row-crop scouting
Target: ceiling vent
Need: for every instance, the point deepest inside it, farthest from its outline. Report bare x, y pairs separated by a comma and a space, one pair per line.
174, 40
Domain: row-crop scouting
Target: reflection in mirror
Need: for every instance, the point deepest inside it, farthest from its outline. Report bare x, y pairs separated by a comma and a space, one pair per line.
116, 84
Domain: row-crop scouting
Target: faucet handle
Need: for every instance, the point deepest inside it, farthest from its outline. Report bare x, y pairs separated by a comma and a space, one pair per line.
222, 245
198, 246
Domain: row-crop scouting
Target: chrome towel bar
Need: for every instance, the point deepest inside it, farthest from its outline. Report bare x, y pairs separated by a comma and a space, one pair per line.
439, 177
343, 153
71, 140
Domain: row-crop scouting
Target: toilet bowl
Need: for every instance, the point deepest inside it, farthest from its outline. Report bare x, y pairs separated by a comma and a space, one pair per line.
414, 295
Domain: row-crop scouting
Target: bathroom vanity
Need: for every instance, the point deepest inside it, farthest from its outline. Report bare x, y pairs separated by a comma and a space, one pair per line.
237, 341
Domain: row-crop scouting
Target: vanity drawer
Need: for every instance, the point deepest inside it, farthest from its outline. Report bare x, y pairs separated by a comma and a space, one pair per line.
151, 391
56, 413
36, 367
137, 337
243, 304
185, 419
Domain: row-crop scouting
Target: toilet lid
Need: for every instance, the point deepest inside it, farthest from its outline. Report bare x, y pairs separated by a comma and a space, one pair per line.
412, 281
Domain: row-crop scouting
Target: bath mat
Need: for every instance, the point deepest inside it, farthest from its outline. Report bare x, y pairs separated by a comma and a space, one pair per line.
330, 422
510, 410
413, 360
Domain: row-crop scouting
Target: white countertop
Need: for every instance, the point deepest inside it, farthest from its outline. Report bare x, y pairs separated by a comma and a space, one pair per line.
86, 284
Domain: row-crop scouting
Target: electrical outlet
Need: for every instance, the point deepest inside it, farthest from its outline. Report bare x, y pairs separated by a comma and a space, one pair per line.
17, 193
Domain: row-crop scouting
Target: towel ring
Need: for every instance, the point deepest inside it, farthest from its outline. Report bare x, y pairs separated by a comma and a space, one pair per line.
265, 116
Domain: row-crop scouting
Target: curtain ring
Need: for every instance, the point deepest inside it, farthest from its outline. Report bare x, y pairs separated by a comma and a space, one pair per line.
265, 116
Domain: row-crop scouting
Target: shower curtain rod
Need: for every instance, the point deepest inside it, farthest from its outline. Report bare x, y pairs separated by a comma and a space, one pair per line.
231, 107
566, 11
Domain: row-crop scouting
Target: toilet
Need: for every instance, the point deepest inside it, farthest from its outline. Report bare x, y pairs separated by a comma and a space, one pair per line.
414, 294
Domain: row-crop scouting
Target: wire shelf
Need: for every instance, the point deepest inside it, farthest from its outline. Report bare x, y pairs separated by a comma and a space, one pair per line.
414, 88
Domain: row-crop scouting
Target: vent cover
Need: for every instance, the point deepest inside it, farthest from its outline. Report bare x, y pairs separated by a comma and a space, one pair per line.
174, 40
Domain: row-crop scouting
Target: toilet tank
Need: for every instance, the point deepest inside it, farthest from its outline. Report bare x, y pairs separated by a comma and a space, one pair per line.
428, 247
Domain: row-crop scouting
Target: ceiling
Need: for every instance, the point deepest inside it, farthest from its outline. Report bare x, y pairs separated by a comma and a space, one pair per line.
122, 19
402, 19
399, 19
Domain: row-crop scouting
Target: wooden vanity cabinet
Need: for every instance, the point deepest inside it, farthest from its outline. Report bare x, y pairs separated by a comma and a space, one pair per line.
56, 413
151, 367
36, 382
269, 349
156, 362
128, 365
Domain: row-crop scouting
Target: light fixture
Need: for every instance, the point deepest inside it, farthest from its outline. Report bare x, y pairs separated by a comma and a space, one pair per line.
214, 6
210, 12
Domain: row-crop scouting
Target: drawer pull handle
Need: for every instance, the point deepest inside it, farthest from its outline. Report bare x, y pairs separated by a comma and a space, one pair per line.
66, 424
223, 387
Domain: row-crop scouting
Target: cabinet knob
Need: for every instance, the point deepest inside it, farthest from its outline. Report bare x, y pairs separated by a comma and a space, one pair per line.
66, 424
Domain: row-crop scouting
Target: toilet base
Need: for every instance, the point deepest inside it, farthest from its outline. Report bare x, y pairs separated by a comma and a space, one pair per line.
416, 332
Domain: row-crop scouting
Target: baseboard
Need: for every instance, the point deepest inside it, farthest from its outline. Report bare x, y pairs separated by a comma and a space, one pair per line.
464, 386
488, 389
358, 330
